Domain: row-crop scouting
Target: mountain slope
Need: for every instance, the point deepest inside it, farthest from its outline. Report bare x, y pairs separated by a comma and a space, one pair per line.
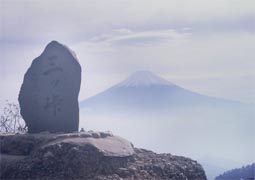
144, 90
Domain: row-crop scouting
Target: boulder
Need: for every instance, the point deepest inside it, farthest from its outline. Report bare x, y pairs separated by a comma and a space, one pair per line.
49, 94
82, 156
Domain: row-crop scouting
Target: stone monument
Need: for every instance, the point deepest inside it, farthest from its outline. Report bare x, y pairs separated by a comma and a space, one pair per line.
49, 94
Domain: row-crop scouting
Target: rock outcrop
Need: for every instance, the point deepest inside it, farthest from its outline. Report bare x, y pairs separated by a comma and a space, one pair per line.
49, 94
88, 155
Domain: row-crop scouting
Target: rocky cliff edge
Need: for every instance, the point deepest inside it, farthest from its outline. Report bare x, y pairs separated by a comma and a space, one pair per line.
88, 155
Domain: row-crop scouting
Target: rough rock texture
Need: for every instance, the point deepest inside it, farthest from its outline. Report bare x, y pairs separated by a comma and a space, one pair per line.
49, 94
89, 156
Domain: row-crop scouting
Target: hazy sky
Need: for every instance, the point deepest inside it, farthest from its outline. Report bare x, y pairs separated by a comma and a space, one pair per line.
203, 45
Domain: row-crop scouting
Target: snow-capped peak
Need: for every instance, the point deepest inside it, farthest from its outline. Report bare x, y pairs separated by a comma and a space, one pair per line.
144, 78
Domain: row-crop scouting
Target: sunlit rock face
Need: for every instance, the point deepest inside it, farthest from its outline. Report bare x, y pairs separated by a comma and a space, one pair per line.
49, 94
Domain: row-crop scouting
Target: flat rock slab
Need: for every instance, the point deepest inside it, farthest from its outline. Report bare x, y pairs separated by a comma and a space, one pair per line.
112, 146
104, 142
60, 156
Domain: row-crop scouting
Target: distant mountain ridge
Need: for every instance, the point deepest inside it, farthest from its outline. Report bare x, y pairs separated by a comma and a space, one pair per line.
144, 90
246, 172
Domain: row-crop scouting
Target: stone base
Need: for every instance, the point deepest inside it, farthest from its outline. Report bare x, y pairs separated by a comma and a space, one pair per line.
88, 155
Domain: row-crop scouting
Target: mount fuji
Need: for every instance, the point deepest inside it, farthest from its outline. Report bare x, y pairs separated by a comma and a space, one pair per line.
143, 91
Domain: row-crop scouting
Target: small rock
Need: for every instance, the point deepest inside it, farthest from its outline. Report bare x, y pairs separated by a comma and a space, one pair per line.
85, 134
104, 134
95, 134
110, 133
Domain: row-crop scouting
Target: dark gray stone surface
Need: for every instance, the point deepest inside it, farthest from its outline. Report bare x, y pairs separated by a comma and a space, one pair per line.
73, 156
49, 94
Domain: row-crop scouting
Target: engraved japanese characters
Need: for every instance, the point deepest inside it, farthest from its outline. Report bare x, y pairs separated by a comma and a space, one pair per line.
49, 94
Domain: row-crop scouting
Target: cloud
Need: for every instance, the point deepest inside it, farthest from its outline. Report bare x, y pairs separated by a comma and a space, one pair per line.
74, 21
126, 37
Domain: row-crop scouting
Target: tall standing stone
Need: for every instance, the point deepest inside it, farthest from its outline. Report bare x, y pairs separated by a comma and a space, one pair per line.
49, 94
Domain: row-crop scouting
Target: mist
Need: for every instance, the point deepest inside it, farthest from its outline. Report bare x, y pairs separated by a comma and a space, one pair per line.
220, 138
